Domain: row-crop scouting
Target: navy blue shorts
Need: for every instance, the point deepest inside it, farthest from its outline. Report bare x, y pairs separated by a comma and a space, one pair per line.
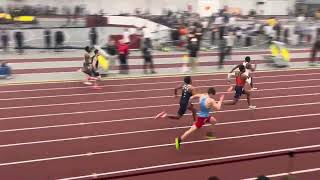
239, 91
183, 108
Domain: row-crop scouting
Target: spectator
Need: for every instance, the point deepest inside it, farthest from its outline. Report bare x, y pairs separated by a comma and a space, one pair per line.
5, 40
5, 71
286, 35
277, 29
93, 35
59, 40
47, 38
213, 35
19, 41
222, 52
123, 50
230, 39
126, 36
112, 52
314, 52
193, 48
146, 49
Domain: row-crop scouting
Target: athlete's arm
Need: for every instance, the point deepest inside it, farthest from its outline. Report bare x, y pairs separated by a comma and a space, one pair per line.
244, 77
193, 90
176, 90
234, 68
194, 97
217, 105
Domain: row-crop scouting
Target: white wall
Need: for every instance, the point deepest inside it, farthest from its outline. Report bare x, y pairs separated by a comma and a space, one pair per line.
112, 6
156, 6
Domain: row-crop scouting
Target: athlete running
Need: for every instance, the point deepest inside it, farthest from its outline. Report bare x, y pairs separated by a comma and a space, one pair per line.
207, 103
187, 91
241, 78
248, 69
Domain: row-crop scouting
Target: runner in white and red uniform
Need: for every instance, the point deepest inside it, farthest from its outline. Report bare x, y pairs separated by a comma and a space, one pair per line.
249, 68
241, 79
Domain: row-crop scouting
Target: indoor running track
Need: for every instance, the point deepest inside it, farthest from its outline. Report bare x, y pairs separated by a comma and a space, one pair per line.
69, 131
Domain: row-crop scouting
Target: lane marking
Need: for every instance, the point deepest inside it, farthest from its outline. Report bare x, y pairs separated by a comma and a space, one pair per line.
125, 78
157, 146
120, 120
143, 107
156, 97
152, 130
142, 90
138, 84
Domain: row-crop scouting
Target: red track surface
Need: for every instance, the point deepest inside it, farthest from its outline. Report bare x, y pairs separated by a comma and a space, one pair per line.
48, 131
177, 65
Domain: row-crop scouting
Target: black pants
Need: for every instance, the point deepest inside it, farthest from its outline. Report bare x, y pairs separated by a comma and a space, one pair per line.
124, 68
148, 61
315, 49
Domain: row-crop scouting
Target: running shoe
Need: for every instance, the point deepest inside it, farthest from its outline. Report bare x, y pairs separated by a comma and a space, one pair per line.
161, 115
178, 141
210, 135
252, 107
97, 87
87, 83
254, 89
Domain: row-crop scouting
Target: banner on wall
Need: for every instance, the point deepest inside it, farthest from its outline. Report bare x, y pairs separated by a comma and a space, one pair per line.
208, 7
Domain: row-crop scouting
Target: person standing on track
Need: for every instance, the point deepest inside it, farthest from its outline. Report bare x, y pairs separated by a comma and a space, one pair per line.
248, 69
95, 66
207, 103
241, 79
187, 91
86, 69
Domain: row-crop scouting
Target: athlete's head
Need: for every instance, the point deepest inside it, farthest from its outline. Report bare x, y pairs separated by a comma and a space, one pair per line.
242, 68
96, 51
247, 59
211, 91
187, 80
87, 49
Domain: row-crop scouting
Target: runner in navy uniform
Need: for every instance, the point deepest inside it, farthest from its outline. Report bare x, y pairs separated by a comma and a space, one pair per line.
187, 91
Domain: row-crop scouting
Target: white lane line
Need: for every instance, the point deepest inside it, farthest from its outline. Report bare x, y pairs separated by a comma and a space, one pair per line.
152, 130
195, 162
153, 97
157, 77
291, 173
142, 90
138, 84
120, 120
142, 107
159, 145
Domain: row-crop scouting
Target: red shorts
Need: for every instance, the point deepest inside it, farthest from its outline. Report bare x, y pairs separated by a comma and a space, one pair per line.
201, 121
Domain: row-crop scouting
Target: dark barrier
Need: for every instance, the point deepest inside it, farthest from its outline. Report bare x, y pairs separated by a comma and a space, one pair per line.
290, 153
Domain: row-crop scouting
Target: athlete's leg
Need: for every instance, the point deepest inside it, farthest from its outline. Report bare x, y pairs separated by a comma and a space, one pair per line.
212, 121
248, 93
194, 112
188, 132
